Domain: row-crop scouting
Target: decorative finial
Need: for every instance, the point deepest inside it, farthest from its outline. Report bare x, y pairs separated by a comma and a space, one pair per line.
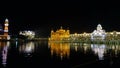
99, 27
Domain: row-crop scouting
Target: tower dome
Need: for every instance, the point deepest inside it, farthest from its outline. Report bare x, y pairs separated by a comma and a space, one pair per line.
6, 20
99, 27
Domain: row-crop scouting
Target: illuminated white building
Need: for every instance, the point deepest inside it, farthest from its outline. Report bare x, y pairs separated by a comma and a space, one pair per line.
29, 34
98, 34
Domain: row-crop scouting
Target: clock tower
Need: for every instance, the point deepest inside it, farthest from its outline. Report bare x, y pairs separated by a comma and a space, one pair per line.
6, 24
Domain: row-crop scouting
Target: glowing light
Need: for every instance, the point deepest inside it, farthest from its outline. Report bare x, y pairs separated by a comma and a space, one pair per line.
99, 50
6, 24
4, 55
16, 43
60, 49
28, 48
8, 37
5, 30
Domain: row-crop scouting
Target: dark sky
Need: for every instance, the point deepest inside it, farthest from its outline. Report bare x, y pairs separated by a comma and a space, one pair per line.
42, 18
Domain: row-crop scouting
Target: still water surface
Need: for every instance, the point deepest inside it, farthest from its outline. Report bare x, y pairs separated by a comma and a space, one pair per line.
44, 54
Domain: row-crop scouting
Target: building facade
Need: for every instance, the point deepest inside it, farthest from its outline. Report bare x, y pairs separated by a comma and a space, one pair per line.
60, 34
29, 34
98, 34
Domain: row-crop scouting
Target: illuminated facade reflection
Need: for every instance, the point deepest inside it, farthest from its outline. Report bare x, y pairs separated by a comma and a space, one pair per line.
27, 48
99, 50
60, 49
4, 48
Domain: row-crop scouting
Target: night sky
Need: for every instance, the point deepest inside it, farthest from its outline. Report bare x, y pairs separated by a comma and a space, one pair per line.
43, 18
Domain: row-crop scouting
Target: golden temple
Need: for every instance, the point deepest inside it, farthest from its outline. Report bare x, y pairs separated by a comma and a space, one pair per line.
60, 34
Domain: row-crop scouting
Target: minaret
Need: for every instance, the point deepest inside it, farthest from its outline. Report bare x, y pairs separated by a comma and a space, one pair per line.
6, 24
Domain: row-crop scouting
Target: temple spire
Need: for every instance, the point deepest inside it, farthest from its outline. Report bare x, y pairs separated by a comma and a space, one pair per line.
6, 20
99, 27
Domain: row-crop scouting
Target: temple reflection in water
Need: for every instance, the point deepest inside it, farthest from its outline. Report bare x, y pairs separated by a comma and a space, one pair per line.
27, 48
57, 53
99, 50
60, 49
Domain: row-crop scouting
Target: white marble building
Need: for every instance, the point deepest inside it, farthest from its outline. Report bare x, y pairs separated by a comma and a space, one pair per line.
98, 34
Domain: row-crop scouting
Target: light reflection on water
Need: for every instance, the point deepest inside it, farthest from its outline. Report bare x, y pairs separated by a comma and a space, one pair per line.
27, 48
4, 50
99, 50
63, 49
60, 50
